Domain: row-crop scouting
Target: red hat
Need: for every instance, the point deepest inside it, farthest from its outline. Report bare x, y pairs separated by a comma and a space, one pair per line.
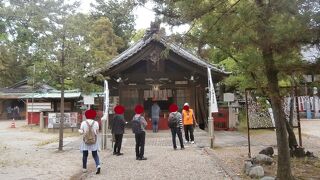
173, 108
138, 109
90, 114
119, 109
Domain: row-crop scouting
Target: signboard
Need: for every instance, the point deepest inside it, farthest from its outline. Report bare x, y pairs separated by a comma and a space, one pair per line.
88, 99
228, 97
70, 120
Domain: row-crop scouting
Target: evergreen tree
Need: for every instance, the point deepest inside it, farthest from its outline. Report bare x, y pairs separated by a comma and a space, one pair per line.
261, 37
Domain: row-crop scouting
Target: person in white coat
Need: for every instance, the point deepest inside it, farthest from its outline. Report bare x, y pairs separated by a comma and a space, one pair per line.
85, 148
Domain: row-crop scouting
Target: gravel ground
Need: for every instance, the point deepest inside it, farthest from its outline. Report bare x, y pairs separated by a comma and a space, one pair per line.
194, 162
25, 155
28, 154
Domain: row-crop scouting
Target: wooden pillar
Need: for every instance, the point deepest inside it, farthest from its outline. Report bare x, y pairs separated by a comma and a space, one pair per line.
27, 104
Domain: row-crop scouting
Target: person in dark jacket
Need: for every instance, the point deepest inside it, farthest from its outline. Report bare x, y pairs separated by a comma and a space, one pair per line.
117, 129
141, 135
177, 130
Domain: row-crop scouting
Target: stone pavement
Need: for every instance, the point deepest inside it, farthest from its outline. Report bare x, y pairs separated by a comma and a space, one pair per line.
310, 127
197, 161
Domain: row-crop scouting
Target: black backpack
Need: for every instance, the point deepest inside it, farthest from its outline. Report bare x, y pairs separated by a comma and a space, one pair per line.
136, 126
173, 121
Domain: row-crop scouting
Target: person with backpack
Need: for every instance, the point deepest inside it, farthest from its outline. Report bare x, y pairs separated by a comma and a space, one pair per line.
188, 121
117, 129
175, 124
90, 129
138, 128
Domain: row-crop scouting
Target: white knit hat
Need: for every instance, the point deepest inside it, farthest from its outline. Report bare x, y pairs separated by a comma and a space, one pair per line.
186, 104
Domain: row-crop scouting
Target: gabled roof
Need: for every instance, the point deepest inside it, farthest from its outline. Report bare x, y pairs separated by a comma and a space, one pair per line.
173, 47
24, 87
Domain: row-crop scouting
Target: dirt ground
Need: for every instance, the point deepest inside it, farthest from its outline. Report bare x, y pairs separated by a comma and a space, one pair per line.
233, 157
28, 154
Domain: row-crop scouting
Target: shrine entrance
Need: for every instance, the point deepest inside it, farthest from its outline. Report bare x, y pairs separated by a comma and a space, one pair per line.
156, 70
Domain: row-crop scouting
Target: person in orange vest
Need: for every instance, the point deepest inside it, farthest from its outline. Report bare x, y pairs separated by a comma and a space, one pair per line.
189, 120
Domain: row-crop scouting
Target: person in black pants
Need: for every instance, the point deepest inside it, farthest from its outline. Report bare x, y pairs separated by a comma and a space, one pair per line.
117, 129
177, 128
138, 127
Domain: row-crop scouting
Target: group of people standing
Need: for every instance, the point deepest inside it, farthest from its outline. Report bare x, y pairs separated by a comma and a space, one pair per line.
184, 120
13, 112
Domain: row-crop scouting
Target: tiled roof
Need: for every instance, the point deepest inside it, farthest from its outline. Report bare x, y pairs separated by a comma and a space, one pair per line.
173, 47
53, 95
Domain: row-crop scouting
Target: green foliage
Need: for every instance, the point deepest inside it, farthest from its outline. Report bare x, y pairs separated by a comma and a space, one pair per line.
225, 30
120, 14
137, 35
49, 41
103, 42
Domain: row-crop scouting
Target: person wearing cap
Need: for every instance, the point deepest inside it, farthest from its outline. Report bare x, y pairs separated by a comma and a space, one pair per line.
117, 129
177, 130
141, 135
188, 121
85, 148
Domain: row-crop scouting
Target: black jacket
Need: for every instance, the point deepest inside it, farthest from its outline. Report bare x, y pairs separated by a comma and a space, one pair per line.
118, 124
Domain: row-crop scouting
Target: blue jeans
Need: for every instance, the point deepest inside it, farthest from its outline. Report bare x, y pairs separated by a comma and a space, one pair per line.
85, 157
155, 123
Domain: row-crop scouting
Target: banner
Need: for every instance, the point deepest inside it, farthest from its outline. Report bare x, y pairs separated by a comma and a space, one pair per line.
213, 105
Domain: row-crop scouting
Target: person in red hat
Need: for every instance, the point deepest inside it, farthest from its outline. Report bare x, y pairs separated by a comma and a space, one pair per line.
90, 130
138, 128
188, 121
117, 129
175, 124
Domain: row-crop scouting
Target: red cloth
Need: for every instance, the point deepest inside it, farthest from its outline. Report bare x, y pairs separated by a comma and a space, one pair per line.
90, 114
119, 109
138, 109
173, 108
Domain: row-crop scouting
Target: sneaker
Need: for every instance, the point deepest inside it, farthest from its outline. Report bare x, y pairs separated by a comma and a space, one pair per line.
186, 142
114, 153
137, 158
84, 170
98, 169
192, 142
119, 154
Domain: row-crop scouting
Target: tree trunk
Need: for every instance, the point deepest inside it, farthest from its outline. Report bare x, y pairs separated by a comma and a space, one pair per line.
292, 138
293, 144
284, 165
266, 47
62, 98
